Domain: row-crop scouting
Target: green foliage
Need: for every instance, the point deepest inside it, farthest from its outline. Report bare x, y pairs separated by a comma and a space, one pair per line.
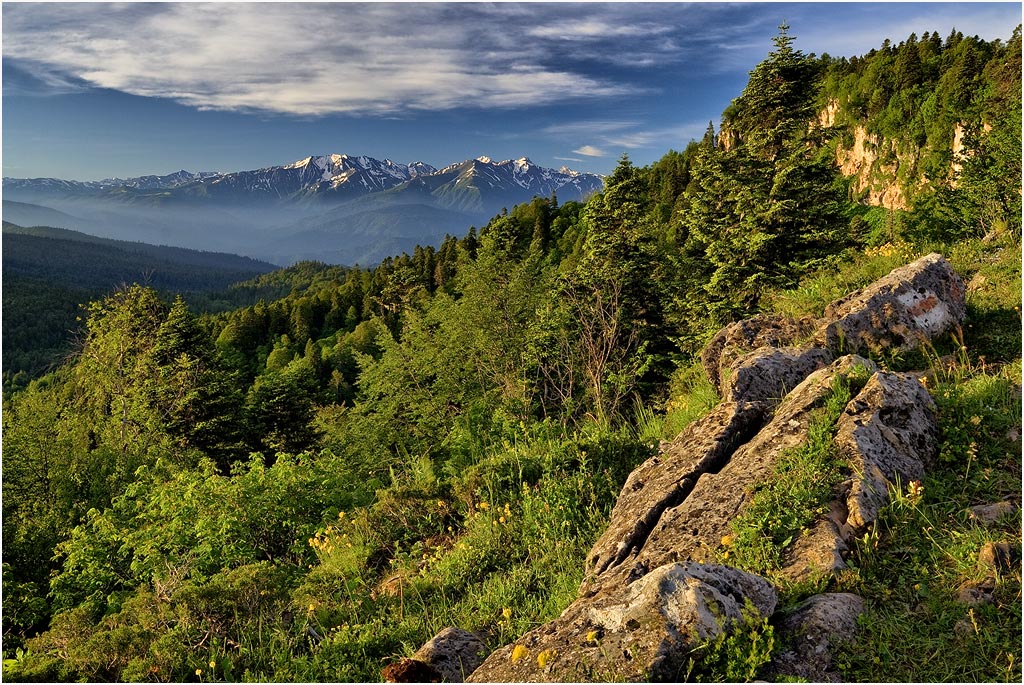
49, 272
765, 203
797, 493
778, 100
918, 100
737, 654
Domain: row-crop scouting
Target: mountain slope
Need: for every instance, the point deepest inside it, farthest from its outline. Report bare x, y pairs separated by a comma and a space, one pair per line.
27, 214
49, 272
310, 207
80, 260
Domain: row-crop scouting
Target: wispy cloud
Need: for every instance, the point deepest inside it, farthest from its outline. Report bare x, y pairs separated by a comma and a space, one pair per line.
589, 151
590, 29
315, 59
627, 135
677, 136
311, 59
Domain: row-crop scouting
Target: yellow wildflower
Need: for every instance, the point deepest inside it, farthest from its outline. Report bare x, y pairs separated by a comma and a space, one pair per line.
506, 613
727, 540
592, 636
483, 505
199, 671
518, 652
544, 657
213, 664
975, 420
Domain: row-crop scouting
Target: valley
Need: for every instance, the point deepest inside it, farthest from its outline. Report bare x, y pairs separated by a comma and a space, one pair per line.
332, 208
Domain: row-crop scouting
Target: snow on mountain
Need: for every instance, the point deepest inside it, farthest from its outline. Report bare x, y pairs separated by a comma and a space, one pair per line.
329, 177
330, 206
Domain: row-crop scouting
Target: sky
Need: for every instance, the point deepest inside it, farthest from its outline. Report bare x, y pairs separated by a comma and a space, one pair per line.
94, 90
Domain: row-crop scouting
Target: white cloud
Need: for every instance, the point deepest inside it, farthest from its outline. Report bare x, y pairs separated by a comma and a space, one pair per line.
589, 151
302, 59
627, 135
591, 29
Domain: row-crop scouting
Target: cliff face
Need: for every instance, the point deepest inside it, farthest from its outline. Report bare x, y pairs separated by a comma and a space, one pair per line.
874, 166
666, 574
886, 173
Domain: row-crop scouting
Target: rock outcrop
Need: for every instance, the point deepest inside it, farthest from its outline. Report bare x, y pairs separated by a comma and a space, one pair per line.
890, 433
655, 585
910, 306
666, 480
645, 632
448, 657
741, 337
694, 528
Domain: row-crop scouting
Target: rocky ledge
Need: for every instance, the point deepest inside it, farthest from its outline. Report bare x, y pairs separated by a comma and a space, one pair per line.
656, 582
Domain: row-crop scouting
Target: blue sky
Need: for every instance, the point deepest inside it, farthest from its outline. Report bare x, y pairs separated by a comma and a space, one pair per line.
93, 91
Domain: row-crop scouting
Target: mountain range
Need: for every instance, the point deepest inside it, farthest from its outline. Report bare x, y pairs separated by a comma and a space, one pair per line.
334, 208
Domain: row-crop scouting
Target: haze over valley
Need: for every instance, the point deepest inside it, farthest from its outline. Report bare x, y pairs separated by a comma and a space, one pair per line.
332, 208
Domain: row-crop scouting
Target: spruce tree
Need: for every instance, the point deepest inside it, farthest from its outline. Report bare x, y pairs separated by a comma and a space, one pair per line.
767, 207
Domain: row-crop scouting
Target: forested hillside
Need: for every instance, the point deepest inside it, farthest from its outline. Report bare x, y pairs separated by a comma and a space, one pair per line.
310, 487
49, 272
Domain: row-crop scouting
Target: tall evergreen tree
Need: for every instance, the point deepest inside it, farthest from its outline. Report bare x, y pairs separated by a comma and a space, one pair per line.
766, 207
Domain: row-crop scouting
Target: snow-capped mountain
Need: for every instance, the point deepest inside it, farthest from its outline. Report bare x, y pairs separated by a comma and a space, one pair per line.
484, 186
328, 177
312, 206
332, 176
57, 185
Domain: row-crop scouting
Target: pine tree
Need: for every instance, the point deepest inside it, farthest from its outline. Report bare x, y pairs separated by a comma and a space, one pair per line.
778, 99
769, 207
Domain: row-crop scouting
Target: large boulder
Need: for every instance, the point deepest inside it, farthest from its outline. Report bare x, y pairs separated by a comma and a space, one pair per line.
913, 304
741, 337
811, 632
665, 480
646, 632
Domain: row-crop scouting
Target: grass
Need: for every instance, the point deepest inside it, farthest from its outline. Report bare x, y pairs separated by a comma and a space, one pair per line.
796, 495
506, 555
924, 550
